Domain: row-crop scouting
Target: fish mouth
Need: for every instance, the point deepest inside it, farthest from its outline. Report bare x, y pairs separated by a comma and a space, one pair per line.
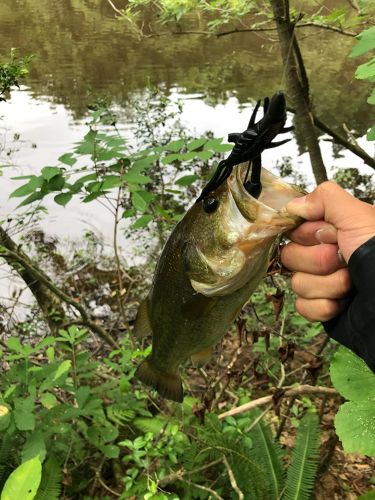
272, 200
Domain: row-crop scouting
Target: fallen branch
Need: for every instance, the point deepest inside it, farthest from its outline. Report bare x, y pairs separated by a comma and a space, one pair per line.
40, 277
232, 479
291, 392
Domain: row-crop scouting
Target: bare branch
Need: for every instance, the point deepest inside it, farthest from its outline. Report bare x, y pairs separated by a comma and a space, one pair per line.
118, 11
339, 139
40, 277
293, 392
232, 479
336, 29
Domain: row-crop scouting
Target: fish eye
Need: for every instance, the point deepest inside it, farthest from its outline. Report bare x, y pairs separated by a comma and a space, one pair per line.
210, 204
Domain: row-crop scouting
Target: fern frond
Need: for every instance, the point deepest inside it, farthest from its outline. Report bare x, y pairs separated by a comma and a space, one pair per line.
50, 485
119, 415
305, 459
268, 452
248, 472
153, 425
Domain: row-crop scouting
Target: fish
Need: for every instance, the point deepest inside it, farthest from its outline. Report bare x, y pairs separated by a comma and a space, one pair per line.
213, 260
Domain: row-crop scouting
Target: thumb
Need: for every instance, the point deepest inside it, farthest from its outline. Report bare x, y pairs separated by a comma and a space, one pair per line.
353, 219
327, 202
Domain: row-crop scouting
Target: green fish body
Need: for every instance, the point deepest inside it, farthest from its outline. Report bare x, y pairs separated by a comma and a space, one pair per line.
209, 267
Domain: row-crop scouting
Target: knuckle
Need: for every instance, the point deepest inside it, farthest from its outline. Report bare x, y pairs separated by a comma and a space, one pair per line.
326, 188
327, 258
344, 282
295, 282
328, 309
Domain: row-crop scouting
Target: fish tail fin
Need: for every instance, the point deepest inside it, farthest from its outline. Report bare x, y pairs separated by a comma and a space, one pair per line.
168, 385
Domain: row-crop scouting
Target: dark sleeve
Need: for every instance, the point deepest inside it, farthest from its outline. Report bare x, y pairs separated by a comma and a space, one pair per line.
355, 326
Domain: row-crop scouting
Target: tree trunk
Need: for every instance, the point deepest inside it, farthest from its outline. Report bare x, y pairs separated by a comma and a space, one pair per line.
297, 85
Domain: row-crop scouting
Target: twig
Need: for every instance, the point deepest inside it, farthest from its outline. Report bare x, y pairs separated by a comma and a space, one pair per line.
295, 391
178, 475
115, 8
232, 479
292, 399
203, 488
105, 486
326, 27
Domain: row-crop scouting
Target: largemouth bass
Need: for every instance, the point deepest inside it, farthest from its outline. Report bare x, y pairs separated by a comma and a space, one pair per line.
212, 262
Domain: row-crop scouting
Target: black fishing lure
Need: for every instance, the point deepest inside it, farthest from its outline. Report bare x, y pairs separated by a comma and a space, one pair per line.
249, 145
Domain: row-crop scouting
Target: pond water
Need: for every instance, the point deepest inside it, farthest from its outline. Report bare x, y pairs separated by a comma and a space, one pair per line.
82, 50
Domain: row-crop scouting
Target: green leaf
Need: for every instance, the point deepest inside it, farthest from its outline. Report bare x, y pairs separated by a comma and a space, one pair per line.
371, 134
48, 400
197, 143
49, 173
371, 98
33, 197
110, 181
366, 71
146, 162
366, 42
355, 420
204, 155
56, 183
110, 450
23, 414
67, 159
88, 145
187, 180
129, 213
176, 145
140, 202
24, 481
33, 184
355, 426
143, 221
63, 198
136, 178
370, 495
34, 447
351, 376
107, 154
62, 369
217, 146
14, 344
93, 196
168, 159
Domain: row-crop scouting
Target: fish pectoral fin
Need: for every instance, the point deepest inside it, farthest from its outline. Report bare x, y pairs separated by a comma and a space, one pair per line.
202, 357
197, 306
142, 326
167, 384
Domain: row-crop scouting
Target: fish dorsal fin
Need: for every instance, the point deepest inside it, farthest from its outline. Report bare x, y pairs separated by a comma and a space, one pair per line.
142, 326
201, 357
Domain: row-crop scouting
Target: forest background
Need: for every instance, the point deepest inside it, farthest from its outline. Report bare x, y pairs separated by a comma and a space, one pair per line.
120, 116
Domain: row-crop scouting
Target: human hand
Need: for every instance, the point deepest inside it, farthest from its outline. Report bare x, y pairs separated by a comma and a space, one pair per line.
336, 225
